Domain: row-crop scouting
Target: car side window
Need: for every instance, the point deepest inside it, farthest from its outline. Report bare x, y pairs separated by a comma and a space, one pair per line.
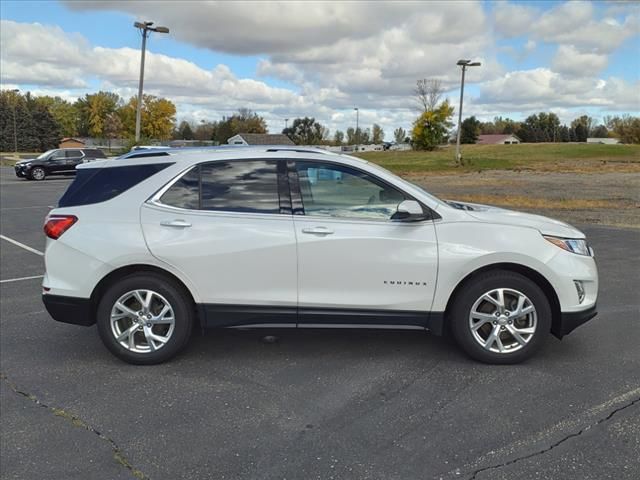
240, 186
74, 153
57, 155
330, 190
249, 186
185, 193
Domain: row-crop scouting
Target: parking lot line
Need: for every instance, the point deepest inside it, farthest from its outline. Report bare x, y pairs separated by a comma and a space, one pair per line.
20, 279
22, 245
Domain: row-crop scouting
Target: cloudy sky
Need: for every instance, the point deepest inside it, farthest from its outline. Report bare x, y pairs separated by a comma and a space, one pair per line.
289, 59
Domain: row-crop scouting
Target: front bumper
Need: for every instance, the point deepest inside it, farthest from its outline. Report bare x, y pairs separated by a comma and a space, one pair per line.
69, 309
569, 321
21, 172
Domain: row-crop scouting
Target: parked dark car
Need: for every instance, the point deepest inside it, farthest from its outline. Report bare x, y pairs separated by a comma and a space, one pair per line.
60, 161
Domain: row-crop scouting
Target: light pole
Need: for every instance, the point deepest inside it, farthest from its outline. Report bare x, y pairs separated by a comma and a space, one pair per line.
145, 30
464, 64
15, 129
357, 128
286, 123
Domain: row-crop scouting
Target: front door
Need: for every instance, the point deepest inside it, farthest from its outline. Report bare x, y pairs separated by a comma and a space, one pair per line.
57, 162
228, 227
356, 264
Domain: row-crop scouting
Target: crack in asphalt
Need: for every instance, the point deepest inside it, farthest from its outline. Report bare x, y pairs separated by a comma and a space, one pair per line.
76, 421
556, 444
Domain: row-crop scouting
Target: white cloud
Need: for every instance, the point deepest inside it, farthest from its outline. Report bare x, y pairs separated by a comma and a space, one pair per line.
512, 20
575, 23
570, 61
541, 88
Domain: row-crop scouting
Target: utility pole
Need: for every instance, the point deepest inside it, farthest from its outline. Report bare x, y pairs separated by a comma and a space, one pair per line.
145, 30
286, 123
464, 64
357, 132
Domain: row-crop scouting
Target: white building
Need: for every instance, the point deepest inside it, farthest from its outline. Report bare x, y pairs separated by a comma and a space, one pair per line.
603, 140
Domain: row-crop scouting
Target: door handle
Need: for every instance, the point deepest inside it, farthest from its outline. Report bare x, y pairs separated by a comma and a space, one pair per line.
175, 223
318, 231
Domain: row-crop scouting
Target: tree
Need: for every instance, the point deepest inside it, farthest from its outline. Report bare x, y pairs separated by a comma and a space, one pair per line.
470, 130
626, 128
377, 134
428, 92
399, 134
431, 127
582, 126
93, 111
27, 120
205, 131
157, 117
306, 131
541, 127
112, 127
338, 137
63, 112
600, 132
351, 136
243, 121
184, 131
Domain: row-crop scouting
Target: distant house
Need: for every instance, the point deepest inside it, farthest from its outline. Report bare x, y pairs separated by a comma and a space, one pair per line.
69, 142
260, 139
603, 140
498, 139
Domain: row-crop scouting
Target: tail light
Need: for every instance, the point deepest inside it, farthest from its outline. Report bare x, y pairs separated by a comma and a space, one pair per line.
56, 225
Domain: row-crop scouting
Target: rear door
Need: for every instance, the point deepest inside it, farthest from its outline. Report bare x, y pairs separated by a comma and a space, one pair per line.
356, 264
228, 227
74, 158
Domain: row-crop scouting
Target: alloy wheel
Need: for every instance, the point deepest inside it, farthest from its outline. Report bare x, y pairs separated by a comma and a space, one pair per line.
503, 320
142, 321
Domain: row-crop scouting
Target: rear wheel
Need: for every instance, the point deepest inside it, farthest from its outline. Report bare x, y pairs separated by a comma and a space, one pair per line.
38, 173
501, 317
145, 319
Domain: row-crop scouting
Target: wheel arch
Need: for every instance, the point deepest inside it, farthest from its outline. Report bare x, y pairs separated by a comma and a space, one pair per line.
523, 270
127, 270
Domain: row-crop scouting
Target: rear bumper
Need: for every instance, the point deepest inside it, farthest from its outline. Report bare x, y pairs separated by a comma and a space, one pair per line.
569, 321
69, 309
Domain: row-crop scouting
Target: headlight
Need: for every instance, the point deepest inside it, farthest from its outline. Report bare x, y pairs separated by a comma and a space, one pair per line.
28, 164
572, 245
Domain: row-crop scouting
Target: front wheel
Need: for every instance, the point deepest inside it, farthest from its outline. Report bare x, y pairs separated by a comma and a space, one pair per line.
501, 317
38, 173
145, 319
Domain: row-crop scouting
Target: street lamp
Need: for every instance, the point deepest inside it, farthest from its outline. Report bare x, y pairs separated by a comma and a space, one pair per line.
464, 64
145, 30
15, 129
357, 128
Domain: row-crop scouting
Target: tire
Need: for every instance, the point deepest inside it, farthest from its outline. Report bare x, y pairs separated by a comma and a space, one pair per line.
500, 335
38, 174
153, 337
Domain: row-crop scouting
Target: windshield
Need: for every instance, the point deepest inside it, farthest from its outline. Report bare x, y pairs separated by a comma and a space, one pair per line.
42, 155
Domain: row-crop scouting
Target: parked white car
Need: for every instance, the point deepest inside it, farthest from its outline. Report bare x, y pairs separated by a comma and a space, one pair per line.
284, 237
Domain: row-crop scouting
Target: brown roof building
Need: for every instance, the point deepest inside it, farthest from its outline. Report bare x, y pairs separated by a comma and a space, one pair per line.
69, 142
498, 139
260, 139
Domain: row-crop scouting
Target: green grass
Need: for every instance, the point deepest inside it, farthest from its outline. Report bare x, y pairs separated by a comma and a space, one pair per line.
547, 157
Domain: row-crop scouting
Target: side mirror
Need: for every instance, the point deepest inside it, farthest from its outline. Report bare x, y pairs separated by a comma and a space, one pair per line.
409, 211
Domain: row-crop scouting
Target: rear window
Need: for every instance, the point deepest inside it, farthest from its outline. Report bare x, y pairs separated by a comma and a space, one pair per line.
249, 186
95, 185
94, 153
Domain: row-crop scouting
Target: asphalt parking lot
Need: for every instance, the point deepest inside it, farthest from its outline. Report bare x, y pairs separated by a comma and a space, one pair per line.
326, 404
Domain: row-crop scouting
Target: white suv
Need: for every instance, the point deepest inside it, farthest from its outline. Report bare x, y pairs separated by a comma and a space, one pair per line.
280, 237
